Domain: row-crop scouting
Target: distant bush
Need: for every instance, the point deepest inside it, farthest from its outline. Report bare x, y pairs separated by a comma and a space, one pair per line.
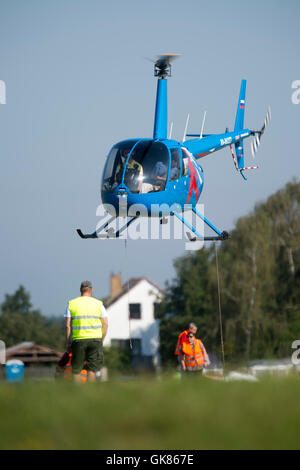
116, 359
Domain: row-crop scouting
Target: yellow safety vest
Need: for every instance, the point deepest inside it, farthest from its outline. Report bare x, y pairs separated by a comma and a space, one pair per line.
86, 317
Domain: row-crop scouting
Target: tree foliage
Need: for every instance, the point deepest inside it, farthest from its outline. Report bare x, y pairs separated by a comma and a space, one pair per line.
19, 322
116, 359
260, 285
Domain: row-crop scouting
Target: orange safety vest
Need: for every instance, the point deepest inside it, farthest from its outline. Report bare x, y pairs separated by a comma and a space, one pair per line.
193, 357
180, 342
68, 371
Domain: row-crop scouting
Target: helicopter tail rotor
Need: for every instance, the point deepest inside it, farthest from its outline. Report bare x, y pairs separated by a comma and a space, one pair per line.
258, 134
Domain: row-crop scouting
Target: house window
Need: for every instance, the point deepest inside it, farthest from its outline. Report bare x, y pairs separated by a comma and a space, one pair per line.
136, 346
135, 311
122, 344
156, 310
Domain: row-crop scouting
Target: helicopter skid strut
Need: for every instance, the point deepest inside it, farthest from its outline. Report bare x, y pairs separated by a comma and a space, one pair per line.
109, 232
105, 232
220, 235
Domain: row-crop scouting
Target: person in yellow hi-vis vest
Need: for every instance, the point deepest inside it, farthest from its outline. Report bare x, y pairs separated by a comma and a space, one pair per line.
86, 328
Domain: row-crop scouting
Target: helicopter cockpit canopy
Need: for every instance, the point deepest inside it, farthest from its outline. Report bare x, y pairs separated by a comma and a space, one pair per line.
146, 170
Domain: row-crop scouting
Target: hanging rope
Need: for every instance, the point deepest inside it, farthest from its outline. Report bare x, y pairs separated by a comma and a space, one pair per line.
128, 287
220, 310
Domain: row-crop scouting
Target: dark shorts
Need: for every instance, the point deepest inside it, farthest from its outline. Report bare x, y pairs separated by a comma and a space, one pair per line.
89, 351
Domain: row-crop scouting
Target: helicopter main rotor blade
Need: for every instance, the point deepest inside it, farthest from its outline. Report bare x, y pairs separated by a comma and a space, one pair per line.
164, 60
162, 66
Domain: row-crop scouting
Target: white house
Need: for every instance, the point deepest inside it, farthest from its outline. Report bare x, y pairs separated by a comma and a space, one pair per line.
131, 309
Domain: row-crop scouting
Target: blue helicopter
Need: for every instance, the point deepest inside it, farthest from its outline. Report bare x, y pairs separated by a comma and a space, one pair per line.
163, 175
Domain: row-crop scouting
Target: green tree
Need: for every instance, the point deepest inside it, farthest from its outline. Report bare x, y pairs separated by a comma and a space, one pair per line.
259, 271
19, 322
188, 299
116, 359
19, 302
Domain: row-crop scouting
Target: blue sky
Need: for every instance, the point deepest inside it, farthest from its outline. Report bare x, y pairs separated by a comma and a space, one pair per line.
77, 82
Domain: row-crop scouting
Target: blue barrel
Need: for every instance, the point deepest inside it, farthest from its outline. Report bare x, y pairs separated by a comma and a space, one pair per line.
14, 370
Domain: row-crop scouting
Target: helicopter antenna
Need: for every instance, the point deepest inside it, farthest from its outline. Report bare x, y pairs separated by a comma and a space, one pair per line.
203, 121
186, 126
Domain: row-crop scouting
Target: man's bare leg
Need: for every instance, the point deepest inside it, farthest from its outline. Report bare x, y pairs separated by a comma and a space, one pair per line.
91, 376
77, 378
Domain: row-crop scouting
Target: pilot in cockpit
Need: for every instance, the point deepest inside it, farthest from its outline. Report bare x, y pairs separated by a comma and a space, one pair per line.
121, 165
134, 170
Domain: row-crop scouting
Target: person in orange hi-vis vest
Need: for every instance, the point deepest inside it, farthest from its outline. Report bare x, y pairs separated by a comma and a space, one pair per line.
193, 355
64, 368
182, 338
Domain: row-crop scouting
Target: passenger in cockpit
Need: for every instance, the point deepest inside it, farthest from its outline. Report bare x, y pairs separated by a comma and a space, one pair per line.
158, 178
160, 171
175, 167
159, 174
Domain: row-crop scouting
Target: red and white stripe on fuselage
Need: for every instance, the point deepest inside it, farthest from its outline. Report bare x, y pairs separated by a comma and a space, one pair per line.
195, 178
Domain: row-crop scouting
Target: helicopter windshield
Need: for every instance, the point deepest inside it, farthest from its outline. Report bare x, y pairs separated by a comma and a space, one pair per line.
148, 167
115, 164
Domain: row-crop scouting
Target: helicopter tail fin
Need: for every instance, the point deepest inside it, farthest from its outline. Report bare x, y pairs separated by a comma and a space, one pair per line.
239, 120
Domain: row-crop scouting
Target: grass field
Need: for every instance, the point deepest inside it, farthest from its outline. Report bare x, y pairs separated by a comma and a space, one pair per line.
151, 414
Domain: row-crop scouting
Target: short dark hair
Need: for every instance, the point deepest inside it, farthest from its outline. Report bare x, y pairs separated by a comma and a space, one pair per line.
85, 286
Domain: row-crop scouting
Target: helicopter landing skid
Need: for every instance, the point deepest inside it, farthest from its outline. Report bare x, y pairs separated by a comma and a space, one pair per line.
220, 235
224, 236
109, 232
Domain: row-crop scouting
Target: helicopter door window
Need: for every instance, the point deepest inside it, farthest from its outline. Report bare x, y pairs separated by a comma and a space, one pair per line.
115, 165
147, 168
185, 163
175, 164
134, 174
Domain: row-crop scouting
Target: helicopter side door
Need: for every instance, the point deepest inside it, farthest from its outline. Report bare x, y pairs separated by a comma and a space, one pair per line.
115, 165
147, 168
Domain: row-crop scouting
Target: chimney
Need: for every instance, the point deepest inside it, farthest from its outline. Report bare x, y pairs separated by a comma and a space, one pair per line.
115, 285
